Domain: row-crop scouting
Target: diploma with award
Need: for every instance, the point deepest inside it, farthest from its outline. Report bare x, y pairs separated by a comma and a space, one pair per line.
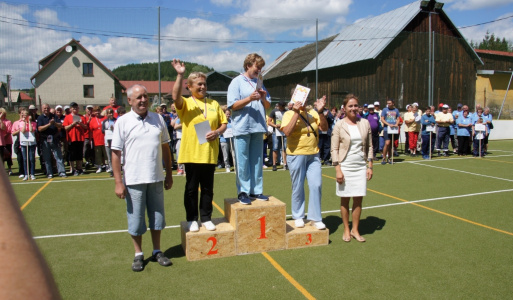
300, 94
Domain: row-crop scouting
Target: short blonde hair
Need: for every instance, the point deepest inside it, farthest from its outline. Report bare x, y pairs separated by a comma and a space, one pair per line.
253, 58
2, 110
195, 75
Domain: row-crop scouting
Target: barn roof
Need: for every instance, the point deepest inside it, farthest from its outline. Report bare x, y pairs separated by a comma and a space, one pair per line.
360, 41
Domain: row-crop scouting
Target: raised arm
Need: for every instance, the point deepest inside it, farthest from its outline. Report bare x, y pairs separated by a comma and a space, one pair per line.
177, 88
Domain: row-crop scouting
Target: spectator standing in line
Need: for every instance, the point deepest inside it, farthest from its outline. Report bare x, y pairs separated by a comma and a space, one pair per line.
487, 119
62, 136
427, 119
88, 139
479, 137
6, 140
108, 129
301, 126
199, 159
167, 118
248, 103
144, 140
98, 137
464, 124
407, 131
452, 133
28, 148
75, 125
49, 133
177, 125
375, 124
325, 138
389, 118
114, 106
443, 120
412, 120
351, 148
225, 142
279, 139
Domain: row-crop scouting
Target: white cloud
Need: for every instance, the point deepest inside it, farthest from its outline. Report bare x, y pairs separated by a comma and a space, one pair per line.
476, 4
273, 17
501, 29
22, 46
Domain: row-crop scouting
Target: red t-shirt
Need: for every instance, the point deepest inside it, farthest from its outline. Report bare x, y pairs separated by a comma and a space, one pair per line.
95, 126
76, 133
115, 108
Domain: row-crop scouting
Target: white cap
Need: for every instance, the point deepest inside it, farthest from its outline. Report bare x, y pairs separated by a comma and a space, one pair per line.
376, 103
58, 106
32, 106
89, 106
415, 104
445, 106
407, 105
66, 107
370, 106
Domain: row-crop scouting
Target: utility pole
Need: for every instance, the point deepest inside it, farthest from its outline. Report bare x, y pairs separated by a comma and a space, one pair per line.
9, 91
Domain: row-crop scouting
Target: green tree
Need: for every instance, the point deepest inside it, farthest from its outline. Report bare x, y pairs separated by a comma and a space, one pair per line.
491, 42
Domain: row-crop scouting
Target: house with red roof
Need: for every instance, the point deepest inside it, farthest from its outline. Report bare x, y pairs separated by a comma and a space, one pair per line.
72, 74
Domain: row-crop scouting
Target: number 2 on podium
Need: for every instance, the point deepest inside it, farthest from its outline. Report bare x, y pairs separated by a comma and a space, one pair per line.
262, 228
214, 243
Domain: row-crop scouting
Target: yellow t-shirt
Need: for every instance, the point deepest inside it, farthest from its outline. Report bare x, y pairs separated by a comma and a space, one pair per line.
413, 127
441, 117
192, 113
301, 140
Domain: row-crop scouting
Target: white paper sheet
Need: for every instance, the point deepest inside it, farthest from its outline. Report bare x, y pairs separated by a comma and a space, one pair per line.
228, 133
300, 94
28, 136
260, 82
392, 130
201, 131
430, 128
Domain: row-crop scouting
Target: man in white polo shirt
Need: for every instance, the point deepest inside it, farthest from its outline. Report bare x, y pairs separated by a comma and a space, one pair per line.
143, 138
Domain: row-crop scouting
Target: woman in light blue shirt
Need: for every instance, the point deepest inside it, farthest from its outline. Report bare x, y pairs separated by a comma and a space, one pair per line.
248, 102
464, 123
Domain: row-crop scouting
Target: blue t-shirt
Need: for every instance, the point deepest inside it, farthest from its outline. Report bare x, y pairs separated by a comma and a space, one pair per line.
250, 118
464, 131
426, 120
390, 116
222, 139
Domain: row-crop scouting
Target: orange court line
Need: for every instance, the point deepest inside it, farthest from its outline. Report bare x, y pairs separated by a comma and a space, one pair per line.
280, 269
437, 211
500, 161
34, 196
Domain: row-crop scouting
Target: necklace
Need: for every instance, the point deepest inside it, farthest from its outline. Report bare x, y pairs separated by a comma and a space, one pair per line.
197, 105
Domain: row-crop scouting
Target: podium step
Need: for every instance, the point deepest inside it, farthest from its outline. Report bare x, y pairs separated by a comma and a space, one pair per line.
307, 236
206, 244
258, 227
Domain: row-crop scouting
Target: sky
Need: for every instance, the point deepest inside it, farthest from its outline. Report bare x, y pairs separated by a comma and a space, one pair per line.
216, 33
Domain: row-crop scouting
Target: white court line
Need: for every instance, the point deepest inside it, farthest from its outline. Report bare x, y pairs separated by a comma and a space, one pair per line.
465, 172
324, 212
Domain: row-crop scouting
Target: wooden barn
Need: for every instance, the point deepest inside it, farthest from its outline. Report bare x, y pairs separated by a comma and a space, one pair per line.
411, 54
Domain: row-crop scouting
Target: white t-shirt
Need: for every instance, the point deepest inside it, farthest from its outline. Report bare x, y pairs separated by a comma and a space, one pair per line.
141, 141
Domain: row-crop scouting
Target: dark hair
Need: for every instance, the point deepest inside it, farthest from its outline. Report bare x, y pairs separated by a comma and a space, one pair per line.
349, 97
121, 110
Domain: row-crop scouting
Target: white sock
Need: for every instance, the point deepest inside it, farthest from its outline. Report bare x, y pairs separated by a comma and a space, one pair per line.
139, 253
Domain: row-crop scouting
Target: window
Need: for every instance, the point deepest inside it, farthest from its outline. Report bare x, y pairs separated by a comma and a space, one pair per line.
88, 91
88, 69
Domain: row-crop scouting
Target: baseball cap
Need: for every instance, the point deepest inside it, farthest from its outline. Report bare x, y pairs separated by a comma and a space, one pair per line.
365, 105
407, 106
58, 106
66, 107
370, 106
376, 103
445, 106
89, 106
415, 104
282, 103
460, 105
73, 104
163, 104
440, 105
32, 106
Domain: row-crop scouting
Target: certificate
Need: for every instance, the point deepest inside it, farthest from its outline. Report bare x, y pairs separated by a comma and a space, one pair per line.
201, 131
27, 136
480, 127
430, 128
392, 129
300, 94
76, 118
260, 82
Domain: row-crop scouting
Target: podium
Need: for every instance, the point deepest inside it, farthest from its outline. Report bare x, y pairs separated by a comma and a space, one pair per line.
255, 228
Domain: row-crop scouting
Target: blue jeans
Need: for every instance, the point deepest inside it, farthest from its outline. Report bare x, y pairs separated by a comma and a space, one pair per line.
249, 162
309, 167
142, 197
31, 157
279, 144
55, 149
442, 140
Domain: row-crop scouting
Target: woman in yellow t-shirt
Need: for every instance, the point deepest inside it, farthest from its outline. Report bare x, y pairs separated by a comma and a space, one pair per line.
301, 127
198, 153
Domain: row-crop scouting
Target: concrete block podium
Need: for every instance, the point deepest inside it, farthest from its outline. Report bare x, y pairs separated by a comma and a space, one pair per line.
258, 227
307, 236
206, 244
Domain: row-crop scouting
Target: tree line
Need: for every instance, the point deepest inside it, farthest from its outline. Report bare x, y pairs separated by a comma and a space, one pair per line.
149, 71
492, 42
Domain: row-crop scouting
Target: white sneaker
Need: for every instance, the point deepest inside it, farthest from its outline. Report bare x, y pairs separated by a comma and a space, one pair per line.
32, 177
228, 170
21, 176
319, 225
99, 170
25, 178
193, 226
299, 223
209, 226
108, 170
